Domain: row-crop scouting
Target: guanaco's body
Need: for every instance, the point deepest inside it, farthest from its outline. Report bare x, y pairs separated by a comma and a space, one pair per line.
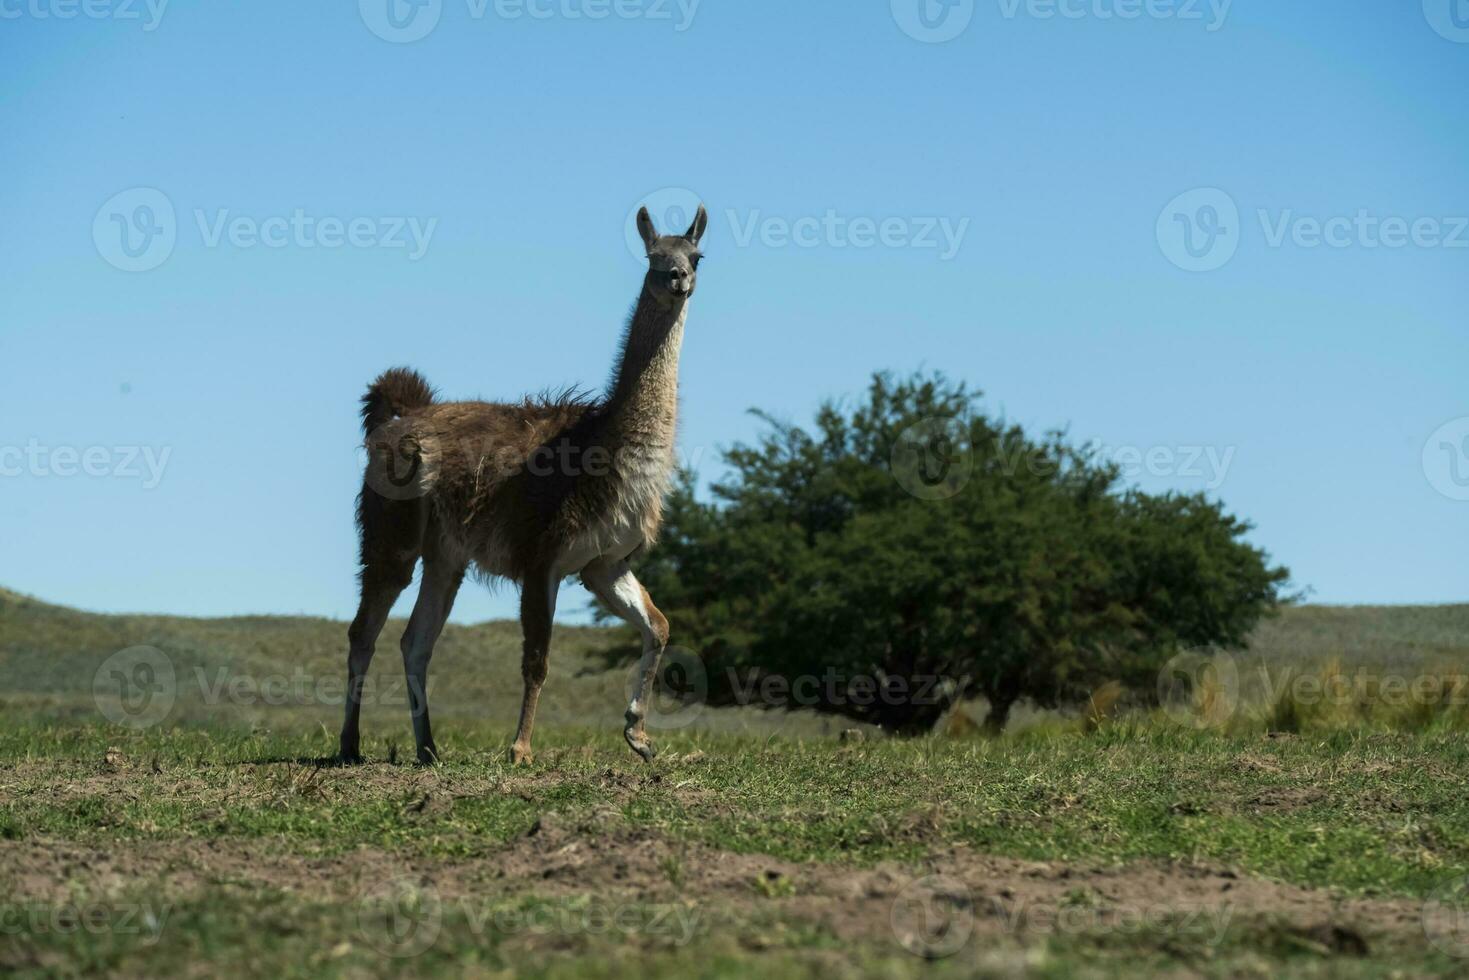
533, 491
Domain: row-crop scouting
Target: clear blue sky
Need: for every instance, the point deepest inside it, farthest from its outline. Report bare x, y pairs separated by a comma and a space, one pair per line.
1320, 372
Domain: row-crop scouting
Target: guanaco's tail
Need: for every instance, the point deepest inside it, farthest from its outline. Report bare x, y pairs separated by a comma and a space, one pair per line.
397, 391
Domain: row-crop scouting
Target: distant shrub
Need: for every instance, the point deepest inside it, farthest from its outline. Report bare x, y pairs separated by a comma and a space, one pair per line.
1332, 697
912, 538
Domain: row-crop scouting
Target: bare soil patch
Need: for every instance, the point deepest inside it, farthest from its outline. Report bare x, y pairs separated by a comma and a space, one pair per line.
599, 854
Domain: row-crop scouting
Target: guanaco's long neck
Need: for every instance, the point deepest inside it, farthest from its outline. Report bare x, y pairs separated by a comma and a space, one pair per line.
643, 406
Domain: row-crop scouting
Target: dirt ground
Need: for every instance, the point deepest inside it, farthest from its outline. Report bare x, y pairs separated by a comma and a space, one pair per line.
947, 897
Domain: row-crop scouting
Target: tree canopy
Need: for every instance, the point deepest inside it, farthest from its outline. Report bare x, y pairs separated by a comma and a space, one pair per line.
911, 551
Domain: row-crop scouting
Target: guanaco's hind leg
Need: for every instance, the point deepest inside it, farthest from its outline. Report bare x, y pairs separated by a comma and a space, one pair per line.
391, 541
615, 584
380, 589
537, 610
441, 578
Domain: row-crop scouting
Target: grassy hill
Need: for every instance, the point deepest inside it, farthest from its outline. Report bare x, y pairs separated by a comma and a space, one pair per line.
286, 672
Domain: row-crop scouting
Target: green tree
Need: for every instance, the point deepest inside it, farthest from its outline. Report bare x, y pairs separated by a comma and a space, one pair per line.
911, 552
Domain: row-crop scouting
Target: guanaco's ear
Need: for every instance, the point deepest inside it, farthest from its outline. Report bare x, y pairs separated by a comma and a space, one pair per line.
696, 230
646, 229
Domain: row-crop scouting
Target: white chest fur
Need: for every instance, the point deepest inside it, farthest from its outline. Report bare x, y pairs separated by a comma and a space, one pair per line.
642, 435
642, 477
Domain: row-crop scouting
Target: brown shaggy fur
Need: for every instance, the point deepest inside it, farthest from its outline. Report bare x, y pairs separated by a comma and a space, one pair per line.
530, 491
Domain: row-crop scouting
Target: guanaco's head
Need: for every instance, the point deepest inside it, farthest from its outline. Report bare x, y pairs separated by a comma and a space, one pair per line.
673, 260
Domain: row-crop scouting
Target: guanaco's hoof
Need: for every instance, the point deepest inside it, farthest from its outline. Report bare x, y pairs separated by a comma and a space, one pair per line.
640, 744
521, 755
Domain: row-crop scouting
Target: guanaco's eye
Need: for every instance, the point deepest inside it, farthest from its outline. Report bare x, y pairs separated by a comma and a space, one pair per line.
697, 258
